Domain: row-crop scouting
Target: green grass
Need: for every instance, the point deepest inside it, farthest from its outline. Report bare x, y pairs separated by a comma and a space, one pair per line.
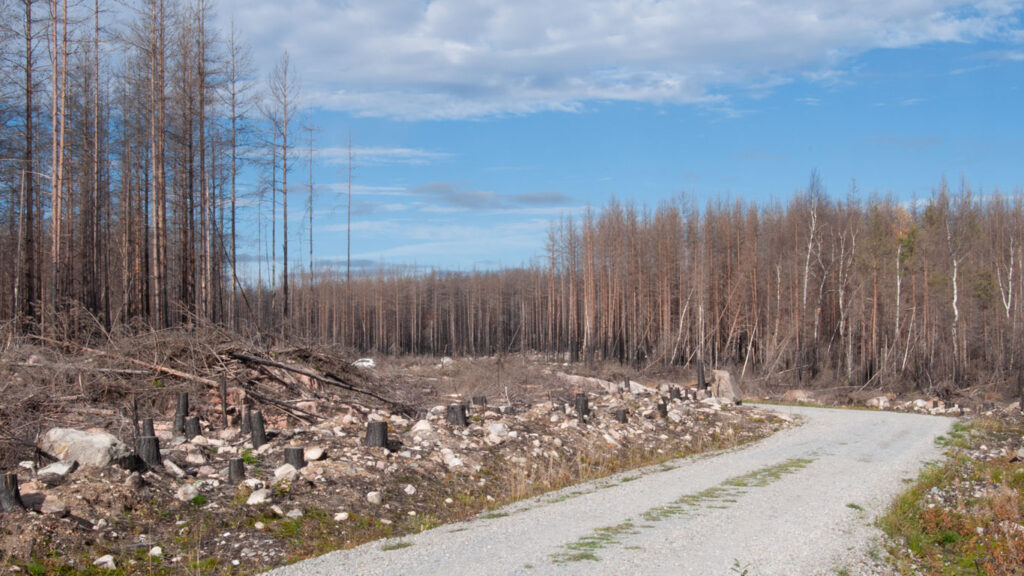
396, 545
856, 507
585, 547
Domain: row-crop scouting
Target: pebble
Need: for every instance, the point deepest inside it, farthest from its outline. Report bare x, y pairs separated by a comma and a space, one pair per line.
374, 497
410, 489
341, 516
105, 562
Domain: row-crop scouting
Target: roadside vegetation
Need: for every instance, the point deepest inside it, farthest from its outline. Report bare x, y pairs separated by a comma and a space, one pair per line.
965, 516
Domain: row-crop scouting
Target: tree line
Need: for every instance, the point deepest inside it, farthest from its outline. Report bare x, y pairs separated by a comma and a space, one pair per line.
123, 136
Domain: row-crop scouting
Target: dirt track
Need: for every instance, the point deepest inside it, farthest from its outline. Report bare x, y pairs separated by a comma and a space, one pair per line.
801, 502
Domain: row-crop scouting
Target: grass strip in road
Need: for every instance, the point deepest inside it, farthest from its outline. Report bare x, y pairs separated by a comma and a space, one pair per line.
718, 497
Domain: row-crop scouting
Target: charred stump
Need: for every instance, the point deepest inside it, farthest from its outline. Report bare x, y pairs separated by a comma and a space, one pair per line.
377, 434
582, 407
181, 413
10, 495
259, 433
236, 471
192, 428
147, 427
149, 451
620, 415
456, 414
294, 455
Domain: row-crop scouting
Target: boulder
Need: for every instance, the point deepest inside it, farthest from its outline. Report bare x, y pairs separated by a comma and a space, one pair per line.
723, 388
105, 562
186, 493
94, 449
261, 496
365, 363
285, 473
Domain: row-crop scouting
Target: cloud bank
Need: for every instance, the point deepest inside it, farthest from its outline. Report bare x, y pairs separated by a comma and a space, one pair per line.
458, 59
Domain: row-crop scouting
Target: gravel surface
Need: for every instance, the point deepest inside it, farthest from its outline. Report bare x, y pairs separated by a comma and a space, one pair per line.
801, 502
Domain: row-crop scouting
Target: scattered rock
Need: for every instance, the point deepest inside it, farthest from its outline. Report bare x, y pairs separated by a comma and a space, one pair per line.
261, 496
156, 552
295, 513
410, 489
365, 363
879, 402
186, 493
374, 497
105, 562
341, 516
313, 453
57, 472
723, 387
95, 449
797, 395
53, 506
285, 473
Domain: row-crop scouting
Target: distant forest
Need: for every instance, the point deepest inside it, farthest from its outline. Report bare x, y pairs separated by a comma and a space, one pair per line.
122, 140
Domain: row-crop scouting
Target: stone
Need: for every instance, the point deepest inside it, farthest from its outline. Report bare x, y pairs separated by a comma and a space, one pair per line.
410, 489
295, 513
723, 387
156, 552
450, 459
134, 481
186, 493
173, 469
261, 496
105, 562
374, 497
341, 516
285, 473
313, 453
95, 449
365, 363
57, 472
920, 404
53, 506
879, 402
797, 395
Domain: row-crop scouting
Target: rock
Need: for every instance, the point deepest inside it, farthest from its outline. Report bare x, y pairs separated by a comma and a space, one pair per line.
134, 481
277, 510
156, 552
920, 404
797, 395
374, 497
296, 513
173, 469
365, 363
880, 402
253, 483
313, 453
723, 388
259, 525
53, 506
285, 473
105, 562
57, 472
341, 516
261, 496
450, 459
410, 489
186, 493
499, 429
94, 449
675, 416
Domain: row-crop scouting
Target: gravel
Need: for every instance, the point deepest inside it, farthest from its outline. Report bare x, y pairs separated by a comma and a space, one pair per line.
801, 502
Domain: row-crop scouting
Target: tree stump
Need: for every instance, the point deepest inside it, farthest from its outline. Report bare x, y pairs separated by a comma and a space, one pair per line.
582, 407
259, 434
293, 455
626, 386
701, 383
377, 434
246, 425
480, 401
456, 414
223, 402
663, 409
10, 495
674, 393
181, 413
1020, 390
620, 415
149, 451
236, 471
192, 428
147, 427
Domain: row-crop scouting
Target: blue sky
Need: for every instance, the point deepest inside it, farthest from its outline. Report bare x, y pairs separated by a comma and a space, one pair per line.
475, 124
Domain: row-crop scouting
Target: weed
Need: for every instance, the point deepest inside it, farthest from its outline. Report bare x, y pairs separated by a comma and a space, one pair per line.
856, 507
395, 545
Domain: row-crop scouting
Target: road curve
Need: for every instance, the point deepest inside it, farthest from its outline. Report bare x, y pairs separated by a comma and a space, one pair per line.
798, 503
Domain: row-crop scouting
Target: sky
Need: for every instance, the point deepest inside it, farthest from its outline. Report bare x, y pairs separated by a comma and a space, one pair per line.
476, 124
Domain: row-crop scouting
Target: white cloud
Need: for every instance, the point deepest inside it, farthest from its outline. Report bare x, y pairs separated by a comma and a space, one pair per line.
379, 155
445, 59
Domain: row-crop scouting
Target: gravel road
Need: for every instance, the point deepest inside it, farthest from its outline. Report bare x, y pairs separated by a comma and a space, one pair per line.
798, 503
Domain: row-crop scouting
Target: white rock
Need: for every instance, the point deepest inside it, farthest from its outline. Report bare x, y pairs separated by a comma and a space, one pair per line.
277, 510
53, 506
365, 363
57, 472
723, 387
880, 402
200, 440
261, 496
374, 497
156, 551
105, 562
186, 493
296, 513
253, 483
173, 469
450, 459
410, 489
499, 429
285, 473
422, 427
341, 516
95, 449
313, 453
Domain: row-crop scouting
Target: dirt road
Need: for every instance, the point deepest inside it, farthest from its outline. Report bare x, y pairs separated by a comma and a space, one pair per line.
799, 503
